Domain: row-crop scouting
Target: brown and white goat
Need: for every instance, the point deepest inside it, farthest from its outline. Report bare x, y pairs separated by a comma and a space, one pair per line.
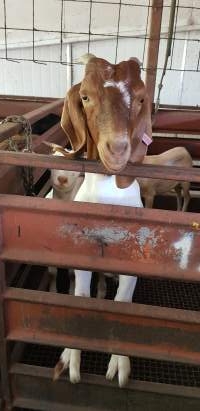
149, 188
107, 115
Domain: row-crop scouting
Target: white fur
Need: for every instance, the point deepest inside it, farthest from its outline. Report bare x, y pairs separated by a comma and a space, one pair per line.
61, 191
121, 85
61, 188
102, 189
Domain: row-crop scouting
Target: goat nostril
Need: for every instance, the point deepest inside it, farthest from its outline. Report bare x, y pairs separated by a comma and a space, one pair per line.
125, 146
108, 146
62, 180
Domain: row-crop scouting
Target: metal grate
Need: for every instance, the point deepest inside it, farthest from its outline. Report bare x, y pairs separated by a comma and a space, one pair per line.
164, 372
159, 292
163, 293
166, 293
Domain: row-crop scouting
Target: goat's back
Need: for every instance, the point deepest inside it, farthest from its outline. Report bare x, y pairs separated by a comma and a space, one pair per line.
178, 157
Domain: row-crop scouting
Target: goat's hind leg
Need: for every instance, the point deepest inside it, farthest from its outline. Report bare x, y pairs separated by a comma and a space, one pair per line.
70, 357
178, 191
186, 195
121, 363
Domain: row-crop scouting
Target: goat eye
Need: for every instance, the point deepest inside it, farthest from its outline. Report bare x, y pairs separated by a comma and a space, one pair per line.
142, 101
85, 98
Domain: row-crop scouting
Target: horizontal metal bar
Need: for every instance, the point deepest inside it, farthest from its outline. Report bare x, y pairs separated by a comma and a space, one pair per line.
19, 105
10, 176
104, 237
136, 170
8, 129
182, 121
128, 329
44, 374
161, 144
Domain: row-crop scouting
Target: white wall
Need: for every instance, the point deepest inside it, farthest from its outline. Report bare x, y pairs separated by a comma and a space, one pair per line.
53, 79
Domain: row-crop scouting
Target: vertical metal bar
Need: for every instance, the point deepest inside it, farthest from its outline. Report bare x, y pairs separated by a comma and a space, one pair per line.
5, 382
153, 46
69, 66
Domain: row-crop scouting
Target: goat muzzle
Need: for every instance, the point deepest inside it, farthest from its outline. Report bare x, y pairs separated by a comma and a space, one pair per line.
117, 148
114, 156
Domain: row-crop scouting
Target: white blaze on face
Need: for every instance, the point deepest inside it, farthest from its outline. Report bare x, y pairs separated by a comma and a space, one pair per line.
122, 87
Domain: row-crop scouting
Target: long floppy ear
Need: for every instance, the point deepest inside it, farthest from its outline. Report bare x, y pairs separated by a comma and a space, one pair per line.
142, 134
73, 121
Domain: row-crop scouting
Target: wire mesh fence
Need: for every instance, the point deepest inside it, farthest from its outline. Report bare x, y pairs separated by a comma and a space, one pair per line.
59, 31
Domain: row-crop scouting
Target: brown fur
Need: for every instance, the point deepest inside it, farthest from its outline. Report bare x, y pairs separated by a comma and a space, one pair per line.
149, 188
106, 125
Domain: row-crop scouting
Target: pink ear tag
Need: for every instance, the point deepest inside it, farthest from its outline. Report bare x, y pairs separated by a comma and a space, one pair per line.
146, 139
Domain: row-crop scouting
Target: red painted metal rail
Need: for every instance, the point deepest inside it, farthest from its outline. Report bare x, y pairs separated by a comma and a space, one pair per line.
136, 170
9, 129
155, 332
105, 237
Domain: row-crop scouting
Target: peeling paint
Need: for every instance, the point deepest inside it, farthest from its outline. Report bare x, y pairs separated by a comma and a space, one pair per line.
109, 235
183, 248
145, 234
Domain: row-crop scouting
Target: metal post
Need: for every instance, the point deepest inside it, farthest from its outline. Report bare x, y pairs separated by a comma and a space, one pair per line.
153, 46
5, 382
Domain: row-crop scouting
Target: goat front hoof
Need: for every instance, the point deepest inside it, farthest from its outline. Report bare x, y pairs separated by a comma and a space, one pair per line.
120, 364
71, 359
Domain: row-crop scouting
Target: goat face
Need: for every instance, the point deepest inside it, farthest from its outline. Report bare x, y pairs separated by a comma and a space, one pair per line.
63, 180
109, 111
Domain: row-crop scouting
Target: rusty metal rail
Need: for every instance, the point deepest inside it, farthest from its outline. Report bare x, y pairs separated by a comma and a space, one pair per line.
149, 243
136, 170
106, 237
8, 129
150, 332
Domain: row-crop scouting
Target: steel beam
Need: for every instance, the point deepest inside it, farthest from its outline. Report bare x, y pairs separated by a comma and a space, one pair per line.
136, 170
161, 144
33, 388
20, 105
9, 129
104, 237
177, 121
128, 329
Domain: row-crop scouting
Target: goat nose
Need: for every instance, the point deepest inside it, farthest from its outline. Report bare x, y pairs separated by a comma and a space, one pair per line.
62, 179
117, 147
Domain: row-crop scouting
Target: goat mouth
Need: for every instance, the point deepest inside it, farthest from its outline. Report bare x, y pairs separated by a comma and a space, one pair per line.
113, 163
63, 187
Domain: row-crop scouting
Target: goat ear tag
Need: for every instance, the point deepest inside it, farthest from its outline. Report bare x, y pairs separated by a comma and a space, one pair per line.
146, 139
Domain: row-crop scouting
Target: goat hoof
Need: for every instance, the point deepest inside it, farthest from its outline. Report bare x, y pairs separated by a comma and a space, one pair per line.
112, 367
74, 376
70, 358
120, 364
58, 370
124, 370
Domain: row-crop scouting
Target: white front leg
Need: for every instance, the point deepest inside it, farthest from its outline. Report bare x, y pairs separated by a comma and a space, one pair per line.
71, 358
121, 363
